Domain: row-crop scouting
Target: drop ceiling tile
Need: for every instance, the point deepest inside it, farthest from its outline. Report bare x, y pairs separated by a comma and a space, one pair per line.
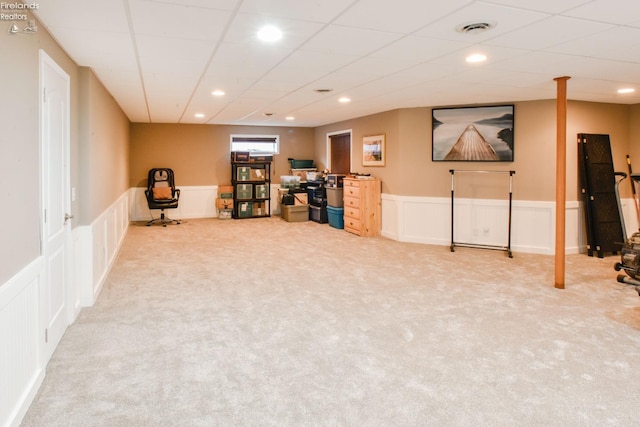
88, 15
98, 48
620, 12
548, 6
399, 16
548, 32
308, 10
620, 44
413, 49
348, 41
171, 20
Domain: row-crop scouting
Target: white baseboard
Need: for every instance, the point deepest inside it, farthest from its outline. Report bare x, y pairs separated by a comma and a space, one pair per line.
485, 222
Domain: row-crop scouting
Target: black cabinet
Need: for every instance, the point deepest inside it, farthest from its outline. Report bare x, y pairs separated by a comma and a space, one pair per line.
251, 189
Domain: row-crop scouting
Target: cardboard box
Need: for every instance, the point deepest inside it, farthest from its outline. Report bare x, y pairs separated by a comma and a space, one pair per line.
257, 174
295, 213
225, 189
226, 195
224, 203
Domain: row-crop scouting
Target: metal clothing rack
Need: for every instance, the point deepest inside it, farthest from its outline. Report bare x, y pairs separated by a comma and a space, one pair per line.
482, 246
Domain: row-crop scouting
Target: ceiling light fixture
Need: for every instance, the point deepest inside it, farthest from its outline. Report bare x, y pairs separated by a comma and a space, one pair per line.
290, 118
626, 90
217, 92
475, 58
269, 34
199, 115
323, 90
344, 100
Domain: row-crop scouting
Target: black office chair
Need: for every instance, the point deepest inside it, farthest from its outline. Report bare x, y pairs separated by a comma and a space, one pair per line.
162, 194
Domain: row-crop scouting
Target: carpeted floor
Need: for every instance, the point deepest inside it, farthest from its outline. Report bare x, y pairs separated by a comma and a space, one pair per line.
263, 322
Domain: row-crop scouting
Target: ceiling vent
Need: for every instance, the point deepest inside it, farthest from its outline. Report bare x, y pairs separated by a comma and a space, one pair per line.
475, 27
323, 90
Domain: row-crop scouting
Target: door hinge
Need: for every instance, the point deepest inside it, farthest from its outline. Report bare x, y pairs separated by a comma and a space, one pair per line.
46, 335
44, 94
45, 216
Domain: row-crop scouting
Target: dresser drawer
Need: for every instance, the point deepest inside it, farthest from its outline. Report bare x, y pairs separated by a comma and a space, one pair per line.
350, 183
351, 202
352, 225
349, 191
352, 212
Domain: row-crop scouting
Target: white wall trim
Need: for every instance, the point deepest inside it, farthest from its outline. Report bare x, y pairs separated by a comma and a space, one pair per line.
428, 220
22, 337
96, 248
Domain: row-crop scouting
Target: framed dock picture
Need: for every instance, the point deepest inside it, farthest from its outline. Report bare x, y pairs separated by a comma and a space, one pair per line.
373, 150
473, 134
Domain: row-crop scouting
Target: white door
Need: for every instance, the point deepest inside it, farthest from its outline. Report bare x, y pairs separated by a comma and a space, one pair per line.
56, 227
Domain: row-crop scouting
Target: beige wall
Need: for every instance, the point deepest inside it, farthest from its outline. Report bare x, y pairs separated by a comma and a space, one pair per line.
19, 139
409, 170
98, 145
104, 151
199, 154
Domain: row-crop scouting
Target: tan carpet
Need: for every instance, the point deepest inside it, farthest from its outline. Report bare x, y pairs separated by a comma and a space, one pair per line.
263, 322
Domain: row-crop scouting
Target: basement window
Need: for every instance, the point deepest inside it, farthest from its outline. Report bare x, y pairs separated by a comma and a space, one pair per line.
257, 145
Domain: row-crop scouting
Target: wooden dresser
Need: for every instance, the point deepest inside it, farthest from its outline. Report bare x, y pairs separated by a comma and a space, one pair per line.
362, 206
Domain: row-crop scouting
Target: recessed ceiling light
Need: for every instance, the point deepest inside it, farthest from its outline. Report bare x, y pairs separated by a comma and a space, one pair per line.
626, 90
199, 115
269, 34
476, 57
344, 100
217, 92
290, 118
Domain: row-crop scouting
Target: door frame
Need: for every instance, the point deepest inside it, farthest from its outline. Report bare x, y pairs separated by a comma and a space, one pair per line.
45, 61
328, 146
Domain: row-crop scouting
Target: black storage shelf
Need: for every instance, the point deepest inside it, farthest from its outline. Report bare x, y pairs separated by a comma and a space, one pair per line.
252, 206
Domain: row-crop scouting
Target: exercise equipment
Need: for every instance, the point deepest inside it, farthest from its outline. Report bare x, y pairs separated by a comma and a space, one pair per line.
630, 254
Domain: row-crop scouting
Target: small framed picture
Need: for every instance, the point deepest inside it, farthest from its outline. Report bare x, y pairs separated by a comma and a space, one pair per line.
373, 150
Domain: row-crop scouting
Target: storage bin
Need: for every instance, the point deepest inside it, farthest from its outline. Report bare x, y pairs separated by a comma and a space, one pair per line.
336, 217
302, 173
245, 210
295, 164
240, 156
243, 173
335, 197
295, 213
244, 191
262, 191
225, 213
318, 214
335, 179
289, 181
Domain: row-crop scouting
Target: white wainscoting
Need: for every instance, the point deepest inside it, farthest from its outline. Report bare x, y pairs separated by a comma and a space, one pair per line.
195, 202
96, 247
485, 222
22, 342
22, 307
